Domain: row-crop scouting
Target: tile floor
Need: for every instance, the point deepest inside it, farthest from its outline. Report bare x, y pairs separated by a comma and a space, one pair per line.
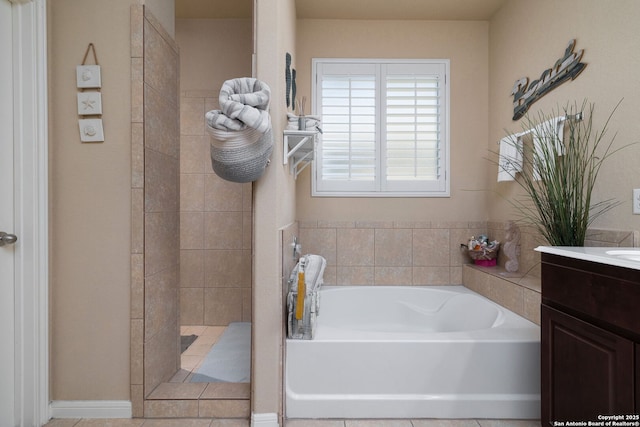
291, 423
195, 354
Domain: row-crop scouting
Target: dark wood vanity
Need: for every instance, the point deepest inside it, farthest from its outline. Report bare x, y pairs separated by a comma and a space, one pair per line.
590, 331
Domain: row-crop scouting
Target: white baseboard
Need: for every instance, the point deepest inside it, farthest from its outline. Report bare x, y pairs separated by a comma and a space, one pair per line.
264, 420
90, 409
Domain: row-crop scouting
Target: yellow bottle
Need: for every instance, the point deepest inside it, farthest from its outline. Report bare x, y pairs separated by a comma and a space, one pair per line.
302, 289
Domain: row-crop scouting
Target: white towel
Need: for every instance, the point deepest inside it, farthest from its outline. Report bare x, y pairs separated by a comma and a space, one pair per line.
312, 122
244, 102
510, 160
313, 275
545, 136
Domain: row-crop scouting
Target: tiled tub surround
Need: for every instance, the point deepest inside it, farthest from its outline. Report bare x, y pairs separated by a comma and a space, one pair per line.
215, 227
390, 253
520, 291
424, 253
429, 253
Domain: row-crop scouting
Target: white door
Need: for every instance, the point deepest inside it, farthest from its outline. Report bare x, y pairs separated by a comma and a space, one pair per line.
24, 397
7, 276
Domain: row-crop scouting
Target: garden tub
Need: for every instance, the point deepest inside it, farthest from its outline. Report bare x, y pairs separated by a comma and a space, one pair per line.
414, 352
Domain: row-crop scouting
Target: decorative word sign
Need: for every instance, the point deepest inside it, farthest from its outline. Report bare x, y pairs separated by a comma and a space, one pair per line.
565, 68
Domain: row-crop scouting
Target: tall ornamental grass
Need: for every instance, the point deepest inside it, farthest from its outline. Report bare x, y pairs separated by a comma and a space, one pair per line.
559, 204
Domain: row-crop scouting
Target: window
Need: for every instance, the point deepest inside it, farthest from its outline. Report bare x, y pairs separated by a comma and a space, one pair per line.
385, 128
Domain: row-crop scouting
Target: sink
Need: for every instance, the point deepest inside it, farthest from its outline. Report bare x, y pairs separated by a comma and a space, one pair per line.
630, 254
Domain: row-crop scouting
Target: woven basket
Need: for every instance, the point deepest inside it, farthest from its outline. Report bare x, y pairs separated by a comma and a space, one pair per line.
240, 156
484, 254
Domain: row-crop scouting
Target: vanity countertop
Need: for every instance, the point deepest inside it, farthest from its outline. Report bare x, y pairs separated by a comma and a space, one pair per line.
619, 257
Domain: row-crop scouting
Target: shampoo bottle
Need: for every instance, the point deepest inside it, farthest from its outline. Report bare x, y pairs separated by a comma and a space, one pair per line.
302, 289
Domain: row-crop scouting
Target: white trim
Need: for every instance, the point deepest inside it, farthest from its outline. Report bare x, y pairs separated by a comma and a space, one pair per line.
91, 409
264, 420
31, 209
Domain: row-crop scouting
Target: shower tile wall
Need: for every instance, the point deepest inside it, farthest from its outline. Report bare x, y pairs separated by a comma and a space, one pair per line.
161, 195
215, 227
155, 348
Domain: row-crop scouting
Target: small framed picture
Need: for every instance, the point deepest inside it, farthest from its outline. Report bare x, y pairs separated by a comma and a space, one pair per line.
88, 76
91, 130
89, 103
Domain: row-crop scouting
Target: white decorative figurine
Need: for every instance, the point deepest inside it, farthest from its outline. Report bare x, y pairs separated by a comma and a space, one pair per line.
511, 248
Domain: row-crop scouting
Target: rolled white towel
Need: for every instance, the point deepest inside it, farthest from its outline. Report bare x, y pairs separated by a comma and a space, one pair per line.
293, 122
244, 102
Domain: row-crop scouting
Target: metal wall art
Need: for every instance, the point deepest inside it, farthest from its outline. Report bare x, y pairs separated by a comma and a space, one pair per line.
565, 68
290, 78
287, 77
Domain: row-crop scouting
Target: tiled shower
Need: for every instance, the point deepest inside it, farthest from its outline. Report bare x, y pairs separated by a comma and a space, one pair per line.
215, 215
155, 154
191, 231
215, 228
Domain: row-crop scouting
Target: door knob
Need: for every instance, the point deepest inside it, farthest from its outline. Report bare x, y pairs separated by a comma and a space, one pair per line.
7, 239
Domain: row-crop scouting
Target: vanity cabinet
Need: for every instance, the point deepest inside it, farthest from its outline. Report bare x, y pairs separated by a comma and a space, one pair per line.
590, 332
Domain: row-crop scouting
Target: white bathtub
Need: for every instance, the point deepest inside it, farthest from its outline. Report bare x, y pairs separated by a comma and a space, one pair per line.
414, 352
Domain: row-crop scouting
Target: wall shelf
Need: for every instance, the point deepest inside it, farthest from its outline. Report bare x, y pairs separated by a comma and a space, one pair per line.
299, 149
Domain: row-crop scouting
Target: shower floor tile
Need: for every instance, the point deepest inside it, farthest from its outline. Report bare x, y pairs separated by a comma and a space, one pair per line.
192, 357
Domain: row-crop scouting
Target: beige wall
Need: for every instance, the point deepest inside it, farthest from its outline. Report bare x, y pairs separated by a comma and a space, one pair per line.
466, 44
212, 51
526, 40
274, 208
90, 206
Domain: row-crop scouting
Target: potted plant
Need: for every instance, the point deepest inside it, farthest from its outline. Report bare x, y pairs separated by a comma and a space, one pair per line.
559, 173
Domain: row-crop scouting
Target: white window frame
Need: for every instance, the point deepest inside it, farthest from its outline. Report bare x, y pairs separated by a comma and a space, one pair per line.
439, 188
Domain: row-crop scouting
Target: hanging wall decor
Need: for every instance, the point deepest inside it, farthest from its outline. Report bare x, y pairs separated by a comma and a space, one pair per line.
88, 76
287, 77
90, 102
294, 88
290, 80
568, 67
91, 130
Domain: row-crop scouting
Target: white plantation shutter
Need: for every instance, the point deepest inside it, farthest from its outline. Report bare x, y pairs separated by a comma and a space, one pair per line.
348, 100
413, 126
349, 128
384, 127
